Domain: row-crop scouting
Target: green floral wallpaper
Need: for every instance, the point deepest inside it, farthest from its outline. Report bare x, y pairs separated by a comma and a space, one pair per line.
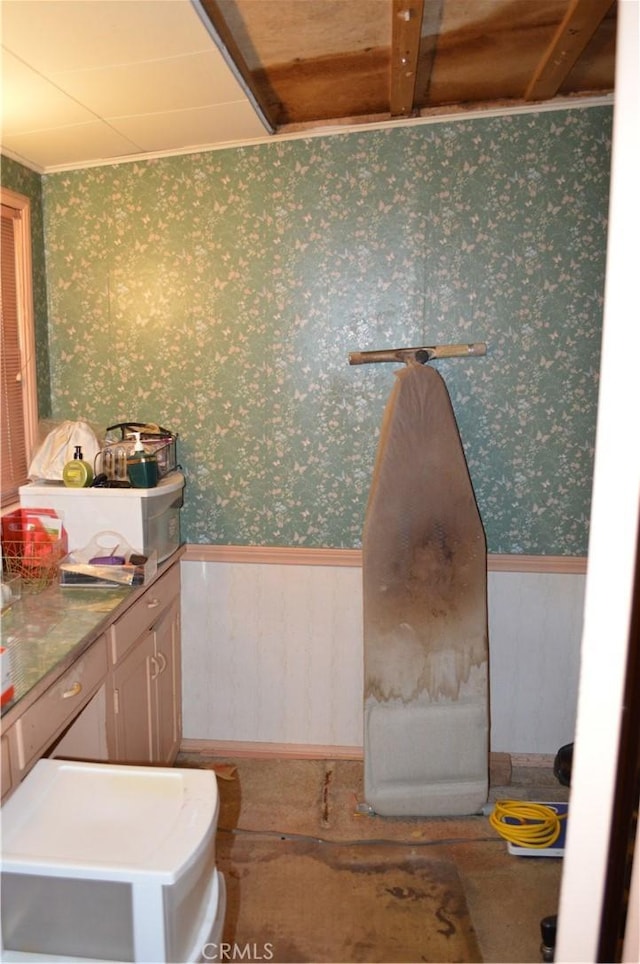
220, 294
23, 181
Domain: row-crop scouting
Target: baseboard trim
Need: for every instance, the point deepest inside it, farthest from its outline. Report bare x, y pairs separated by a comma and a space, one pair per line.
352, 558
528, 760
501, 765
241, 749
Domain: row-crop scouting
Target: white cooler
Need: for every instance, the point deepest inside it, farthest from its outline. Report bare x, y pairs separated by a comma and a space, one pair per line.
111, 863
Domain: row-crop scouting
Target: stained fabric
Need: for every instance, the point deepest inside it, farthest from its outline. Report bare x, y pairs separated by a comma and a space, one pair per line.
425, 612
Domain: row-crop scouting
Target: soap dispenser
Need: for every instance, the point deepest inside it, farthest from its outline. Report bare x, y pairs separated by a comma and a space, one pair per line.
77, 474
142, 466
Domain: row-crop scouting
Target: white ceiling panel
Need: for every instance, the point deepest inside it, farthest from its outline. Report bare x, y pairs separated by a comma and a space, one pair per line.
182, 130
92, 81
71, 146
60, 35
33, 102
194, 80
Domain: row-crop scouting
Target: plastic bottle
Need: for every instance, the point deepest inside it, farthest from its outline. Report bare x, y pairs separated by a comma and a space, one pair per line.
142, 466
77, 474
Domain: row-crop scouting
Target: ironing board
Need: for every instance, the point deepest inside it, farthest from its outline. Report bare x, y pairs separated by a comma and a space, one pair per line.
426, 705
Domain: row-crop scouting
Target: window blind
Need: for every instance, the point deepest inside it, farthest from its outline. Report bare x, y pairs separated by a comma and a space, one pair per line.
12, 425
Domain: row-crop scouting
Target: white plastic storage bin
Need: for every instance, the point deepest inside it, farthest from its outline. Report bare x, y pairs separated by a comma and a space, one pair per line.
111, 862
147, 518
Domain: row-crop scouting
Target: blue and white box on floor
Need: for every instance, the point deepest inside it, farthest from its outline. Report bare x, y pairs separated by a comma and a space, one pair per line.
111, 863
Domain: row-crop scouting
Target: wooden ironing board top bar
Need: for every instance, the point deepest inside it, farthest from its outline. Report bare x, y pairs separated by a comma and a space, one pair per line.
420, 355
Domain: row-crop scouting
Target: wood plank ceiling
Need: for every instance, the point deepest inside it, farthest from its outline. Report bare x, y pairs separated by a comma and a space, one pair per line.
309, 63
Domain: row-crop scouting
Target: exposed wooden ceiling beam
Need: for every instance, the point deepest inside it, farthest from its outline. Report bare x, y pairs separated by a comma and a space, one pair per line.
580, 22
431, 26
405, 47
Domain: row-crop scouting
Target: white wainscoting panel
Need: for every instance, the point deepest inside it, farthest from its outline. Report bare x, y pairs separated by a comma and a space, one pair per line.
535, 628
273, 653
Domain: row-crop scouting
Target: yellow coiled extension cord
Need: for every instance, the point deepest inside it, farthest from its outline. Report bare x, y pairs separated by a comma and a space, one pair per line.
524, 824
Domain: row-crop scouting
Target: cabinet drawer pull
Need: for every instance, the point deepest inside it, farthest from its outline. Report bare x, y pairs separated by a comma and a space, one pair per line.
153, 604
72, 691
156, 671
163, 662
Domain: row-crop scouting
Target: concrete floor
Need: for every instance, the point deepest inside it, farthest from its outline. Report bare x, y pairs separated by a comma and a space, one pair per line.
506, 896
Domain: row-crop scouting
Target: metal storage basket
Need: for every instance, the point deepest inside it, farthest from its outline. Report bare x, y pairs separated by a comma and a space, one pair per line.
31, 555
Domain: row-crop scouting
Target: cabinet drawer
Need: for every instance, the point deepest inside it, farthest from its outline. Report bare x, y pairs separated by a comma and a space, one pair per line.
42, 722
126, 630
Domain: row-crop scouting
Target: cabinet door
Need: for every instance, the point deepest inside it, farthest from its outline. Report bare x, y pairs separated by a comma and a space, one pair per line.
166, 677
134, 704
128, 629
5, 763
145, 716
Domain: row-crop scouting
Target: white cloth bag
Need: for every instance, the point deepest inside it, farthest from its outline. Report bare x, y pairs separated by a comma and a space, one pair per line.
59, 447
